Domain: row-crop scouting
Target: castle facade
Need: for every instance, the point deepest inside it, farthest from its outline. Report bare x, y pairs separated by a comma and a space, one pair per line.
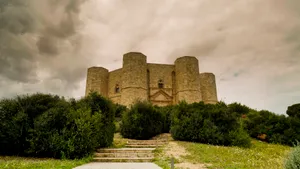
161, 84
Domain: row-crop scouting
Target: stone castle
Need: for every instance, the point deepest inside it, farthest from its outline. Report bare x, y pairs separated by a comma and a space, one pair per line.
161, 84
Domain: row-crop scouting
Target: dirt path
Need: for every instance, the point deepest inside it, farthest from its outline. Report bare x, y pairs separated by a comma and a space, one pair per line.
175, 150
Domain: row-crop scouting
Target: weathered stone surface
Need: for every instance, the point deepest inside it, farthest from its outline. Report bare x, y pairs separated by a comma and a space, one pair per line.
139, 80
114, 80
208, 88
97, 80
187, 79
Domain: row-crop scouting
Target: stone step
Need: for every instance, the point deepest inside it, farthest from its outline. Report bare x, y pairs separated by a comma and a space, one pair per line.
142, 146
103, 159
146, 142
126, 150
122, 155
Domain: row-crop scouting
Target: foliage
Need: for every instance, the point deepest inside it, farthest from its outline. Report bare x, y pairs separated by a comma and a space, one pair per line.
44, 125
166, 115
105, 107
238, 109
141, 121
259, 155
294, 110
120, 109
207, 123
273, 128
293, 160
38, 163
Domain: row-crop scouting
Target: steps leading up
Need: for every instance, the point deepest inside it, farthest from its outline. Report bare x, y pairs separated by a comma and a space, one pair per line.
124, 155
135, 151
99, 159
145, 143
126, 150
142, 146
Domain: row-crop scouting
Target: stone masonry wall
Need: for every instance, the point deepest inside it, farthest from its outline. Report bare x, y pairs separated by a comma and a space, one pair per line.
115, 78
134, 78
187, 79
138, 80
97, 80
208, 88
161, 72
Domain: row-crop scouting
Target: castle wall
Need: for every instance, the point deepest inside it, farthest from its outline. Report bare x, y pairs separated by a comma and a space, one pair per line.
187, 79
208, 88
97, 80
160, 72
134, 78
139, 80
115, 78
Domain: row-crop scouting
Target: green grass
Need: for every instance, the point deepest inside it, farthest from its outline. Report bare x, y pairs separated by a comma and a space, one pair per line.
259, 156
160, 158
39, 163
119, 141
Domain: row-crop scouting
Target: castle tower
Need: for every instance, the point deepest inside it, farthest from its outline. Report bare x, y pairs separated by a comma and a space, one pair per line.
187, 79
134, 78
208, 88
97, 80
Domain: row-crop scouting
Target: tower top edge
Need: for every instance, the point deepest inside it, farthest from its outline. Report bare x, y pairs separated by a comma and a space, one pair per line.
207, 73
97, 68
186, 57
133, 53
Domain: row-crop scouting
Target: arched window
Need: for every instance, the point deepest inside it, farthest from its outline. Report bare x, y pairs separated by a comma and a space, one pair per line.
117, 89
160, 84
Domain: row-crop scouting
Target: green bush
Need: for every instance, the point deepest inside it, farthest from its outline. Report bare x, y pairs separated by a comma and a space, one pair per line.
117, 125
238, 109
17, 119
49, 126
272, 128
141, 121
106, 108
294, 110
207, 123
293, 159
166, 115
120, 109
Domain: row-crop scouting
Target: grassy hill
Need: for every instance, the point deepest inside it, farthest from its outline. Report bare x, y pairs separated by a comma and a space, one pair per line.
260, 156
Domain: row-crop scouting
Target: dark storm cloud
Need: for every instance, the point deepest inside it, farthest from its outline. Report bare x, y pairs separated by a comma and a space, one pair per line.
253, 47
33, 30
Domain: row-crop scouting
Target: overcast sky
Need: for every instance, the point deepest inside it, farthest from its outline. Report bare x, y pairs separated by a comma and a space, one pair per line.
253, 46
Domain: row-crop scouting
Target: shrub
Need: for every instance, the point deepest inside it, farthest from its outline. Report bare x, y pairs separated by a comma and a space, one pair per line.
17, 119
117, 126
239, 137
293, 159
207, 123
238, 109
166, 115
120, 109
49, 126
141, 121
273, 128
294, 110
105, 107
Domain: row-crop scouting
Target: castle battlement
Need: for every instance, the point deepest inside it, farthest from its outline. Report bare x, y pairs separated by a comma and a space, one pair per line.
161, 84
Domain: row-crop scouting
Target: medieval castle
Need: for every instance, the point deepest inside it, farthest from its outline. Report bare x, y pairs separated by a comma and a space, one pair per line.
161, 84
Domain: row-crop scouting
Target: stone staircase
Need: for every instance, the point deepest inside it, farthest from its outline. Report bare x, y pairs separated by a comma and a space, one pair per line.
134, 151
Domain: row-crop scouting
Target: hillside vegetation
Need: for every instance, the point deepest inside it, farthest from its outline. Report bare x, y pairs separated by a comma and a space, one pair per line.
43, 125
260, 156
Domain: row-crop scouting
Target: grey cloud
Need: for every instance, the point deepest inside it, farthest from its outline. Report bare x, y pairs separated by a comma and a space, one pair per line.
29, 35
258, 40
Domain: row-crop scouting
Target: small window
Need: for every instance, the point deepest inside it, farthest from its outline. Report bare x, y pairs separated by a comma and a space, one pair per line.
117, 89
160, 84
